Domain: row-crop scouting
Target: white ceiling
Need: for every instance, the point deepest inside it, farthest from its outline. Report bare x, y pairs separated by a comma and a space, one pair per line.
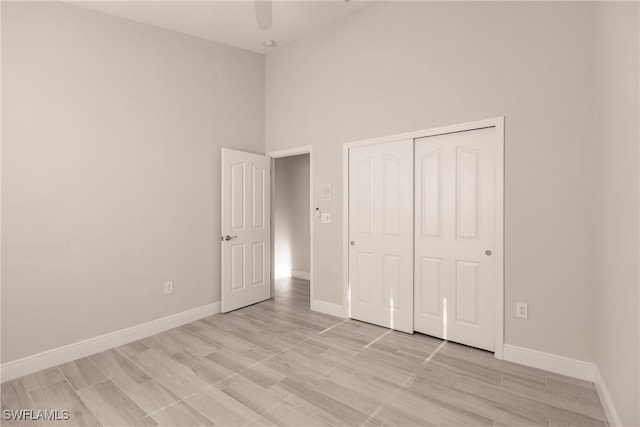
231, 22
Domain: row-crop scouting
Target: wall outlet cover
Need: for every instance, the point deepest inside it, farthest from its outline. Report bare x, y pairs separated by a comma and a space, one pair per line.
522, 310
168, 288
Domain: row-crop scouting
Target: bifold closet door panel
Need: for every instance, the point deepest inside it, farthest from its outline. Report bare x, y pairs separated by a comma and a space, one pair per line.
455, 272
381, 234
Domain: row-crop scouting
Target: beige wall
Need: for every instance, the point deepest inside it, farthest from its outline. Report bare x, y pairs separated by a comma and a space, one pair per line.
111, 144
398, 67
617, 354
291, 214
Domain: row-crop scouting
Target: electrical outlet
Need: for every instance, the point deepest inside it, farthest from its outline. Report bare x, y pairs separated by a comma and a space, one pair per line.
522, 310
168, 288
326, 218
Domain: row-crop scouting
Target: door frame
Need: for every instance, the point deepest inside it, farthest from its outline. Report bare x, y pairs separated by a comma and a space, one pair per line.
498, 124
307, 149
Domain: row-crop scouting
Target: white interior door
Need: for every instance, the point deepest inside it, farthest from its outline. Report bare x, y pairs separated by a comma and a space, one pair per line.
246, 229
455, 236
381, 234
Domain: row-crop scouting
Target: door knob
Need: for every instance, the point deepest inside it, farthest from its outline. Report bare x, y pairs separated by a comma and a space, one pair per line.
227, 237
353, 243
488, 252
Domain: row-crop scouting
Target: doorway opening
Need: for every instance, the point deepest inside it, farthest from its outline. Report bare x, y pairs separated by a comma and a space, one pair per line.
292, 226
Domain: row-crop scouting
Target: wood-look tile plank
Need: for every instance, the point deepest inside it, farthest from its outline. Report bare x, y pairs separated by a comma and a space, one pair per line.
297, 370
252, 395
131, 349
441, 412
524, 405
436, 373
178, 378
206, 369
285, 414
472, 403
393, 416
82, 373
191, 342
234, 362
221, 408
61, 396
181, 414
420, 346
42, 378
563, 399
487, 361
388, 372
122, 371
16, 398
468, 369
151, 396
227, 341
112, 407
262, 375
196, 326
347, 414
163, 343
573, 386
352, 396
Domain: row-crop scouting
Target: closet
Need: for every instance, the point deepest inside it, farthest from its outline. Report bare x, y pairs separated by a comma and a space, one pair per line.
425, 234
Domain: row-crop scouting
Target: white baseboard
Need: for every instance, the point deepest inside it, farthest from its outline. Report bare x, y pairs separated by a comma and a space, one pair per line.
329, 308
281, 273
46, 359
605, 398
550, 362
304, 275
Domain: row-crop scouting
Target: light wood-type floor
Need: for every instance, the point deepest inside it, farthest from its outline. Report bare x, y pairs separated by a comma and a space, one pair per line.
278, 363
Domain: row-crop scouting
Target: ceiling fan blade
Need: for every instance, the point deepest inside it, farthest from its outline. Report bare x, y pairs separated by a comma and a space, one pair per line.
264, 13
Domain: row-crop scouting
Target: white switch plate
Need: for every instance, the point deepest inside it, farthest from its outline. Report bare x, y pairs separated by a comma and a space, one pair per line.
168, 288
522, 310
327, 192
326, 218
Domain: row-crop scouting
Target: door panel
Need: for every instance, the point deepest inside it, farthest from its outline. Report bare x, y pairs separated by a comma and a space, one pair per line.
381, 229
246, 220
455, 186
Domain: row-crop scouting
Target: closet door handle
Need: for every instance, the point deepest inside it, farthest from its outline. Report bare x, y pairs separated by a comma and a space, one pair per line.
227, 237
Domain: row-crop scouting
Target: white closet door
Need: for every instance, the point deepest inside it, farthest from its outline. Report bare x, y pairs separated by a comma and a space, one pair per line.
455, 235
381, 234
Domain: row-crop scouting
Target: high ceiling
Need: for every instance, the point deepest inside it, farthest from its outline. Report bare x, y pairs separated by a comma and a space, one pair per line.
231, 22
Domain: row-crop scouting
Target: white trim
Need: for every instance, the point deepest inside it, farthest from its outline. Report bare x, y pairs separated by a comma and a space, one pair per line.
306, 149
499, 319
498, 123
550, 362
479, 124
329, 308
304, 275
346, 302
610, 411
46, 359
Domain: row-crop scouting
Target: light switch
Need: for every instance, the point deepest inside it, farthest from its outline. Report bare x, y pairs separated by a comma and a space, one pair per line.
327, 192
326, 218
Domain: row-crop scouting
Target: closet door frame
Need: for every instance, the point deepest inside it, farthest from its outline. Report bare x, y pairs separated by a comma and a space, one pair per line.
498, 124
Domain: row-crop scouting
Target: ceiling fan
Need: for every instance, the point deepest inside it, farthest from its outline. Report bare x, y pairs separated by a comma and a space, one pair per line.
264, 13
